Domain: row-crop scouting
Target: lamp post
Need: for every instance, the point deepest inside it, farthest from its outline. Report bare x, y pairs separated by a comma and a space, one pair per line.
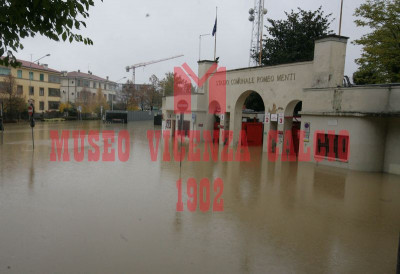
30, 68
48, 54
201, 35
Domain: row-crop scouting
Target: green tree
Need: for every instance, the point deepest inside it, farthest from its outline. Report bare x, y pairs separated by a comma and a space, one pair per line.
54, 19
167, 84
380, 57
292, 40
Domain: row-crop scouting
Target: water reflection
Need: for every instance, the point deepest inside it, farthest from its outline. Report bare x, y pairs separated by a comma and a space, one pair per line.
32, 172
121, 217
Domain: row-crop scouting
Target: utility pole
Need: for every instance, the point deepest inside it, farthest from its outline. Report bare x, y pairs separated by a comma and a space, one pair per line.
257, 18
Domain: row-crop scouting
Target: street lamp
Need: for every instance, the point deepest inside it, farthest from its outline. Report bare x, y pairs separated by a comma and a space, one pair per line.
201, 35
48, 54
120, 79
30, 68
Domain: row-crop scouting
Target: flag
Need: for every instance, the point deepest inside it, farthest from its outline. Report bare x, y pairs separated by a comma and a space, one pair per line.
215, 27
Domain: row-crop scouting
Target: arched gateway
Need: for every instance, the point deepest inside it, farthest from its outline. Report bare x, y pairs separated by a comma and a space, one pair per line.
300, 99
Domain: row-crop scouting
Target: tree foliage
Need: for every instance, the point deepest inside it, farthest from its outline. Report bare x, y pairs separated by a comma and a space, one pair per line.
168, 84
154, 95
292, 39
54, 19
86, 101
126, 98
380, 58
100, 101
141, 96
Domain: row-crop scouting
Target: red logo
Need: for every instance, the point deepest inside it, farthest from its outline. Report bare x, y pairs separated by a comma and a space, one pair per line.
183, 76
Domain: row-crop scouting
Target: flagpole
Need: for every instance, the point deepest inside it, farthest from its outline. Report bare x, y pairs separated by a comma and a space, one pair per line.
341, 14
215, 36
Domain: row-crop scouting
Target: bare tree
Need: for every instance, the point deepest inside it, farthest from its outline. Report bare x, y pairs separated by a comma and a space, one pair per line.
86, 101
127, 98
14, 102
140, 96
154, 93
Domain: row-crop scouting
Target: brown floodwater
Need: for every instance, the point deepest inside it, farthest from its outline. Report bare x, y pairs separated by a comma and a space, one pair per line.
121, 217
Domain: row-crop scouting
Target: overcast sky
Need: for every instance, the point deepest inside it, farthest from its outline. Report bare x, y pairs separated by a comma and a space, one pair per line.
123, 35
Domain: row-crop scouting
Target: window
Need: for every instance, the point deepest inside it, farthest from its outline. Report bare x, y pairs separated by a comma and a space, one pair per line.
54, 105
55, 79
41, 77
94, 84
86, 83
41, 105
332, 146
30, 75
105, 86
41, 91
5, 71
110, 97
19, 73
54, 92
79, 83
20, 90
31, 91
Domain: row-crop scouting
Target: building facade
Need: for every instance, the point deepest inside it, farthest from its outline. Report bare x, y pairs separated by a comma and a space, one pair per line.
37, 83
307, 106
73, 83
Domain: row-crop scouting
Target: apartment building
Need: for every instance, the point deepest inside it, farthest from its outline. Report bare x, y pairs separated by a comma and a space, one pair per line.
73, 83
36, 82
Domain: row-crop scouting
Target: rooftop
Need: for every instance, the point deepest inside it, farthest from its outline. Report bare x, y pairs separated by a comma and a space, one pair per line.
78, 74
32, 65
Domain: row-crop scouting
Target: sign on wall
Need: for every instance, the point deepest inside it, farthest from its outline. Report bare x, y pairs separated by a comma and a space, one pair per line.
267, 118
307, 127
280, 136
274, 117
222, 117
280, 118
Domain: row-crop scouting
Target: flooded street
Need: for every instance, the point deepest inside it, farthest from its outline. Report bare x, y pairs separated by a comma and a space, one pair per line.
121, 217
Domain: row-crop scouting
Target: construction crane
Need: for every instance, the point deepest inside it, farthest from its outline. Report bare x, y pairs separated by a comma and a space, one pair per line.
133, 67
